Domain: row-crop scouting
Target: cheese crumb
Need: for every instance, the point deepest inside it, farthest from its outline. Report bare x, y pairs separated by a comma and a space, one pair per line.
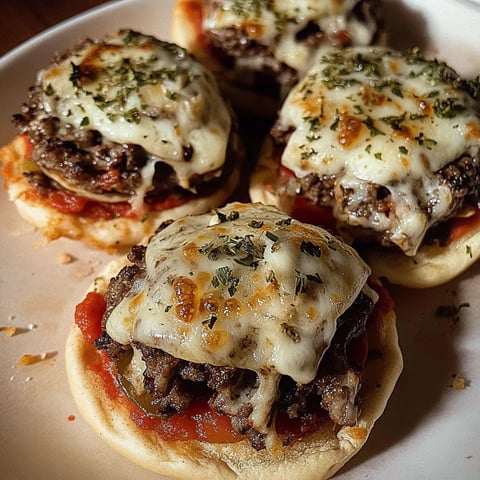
66, 258
458, 383
10, 330
30, 359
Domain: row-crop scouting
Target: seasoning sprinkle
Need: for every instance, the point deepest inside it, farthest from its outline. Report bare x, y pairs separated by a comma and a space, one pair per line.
310, 249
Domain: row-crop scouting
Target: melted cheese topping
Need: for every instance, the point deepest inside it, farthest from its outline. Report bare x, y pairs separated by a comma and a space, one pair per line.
138, 90
377, 117
276, 24
246, 287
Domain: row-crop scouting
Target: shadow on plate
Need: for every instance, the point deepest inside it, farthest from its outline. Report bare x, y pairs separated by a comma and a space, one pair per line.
429, 325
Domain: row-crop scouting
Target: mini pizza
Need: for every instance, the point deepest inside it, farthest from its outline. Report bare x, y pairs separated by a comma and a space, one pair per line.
116, 136
260, 49
237, 344
384, 148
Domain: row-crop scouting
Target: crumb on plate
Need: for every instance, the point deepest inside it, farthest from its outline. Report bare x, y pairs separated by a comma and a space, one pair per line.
459, 382
66, 258
10, 330
30, 359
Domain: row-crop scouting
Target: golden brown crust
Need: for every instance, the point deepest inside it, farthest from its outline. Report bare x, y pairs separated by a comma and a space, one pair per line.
318, 457
433, 265
108, 234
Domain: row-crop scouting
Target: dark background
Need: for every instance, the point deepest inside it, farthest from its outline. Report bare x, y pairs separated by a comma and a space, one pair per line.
22, 19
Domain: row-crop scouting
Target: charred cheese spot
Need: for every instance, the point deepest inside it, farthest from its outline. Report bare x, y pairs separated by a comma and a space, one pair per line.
185, 299
349, 130
334, 298
311, 105
258, 300
135, 303
214, 339
203, 277
404, 133
210, 303
311, 313
215, 304
424, 107
473, 131
232, 307
253, 29
190, 252
370, 97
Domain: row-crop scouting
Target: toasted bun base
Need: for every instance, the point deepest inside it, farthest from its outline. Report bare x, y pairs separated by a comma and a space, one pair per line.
113, 234
318, 457
186, 32
433, 265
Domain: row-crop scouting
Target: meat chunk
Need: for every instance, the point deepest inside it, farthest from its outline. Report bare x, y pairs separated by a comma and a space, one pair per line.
121, 284
339, 397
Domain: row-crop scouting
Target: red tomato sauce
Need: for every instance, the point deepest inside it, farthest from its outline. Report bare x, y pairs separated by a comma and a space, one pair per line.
103, 368
462, 226
385, 302
88, 316
298, 428
172, 201
197, 422
28, 146
71, 204
305, 210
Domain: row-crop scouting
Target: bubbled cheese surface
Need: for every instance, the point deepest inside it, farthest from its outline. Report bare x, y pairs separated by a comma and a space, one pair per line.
135, 89
247, 288
377, 117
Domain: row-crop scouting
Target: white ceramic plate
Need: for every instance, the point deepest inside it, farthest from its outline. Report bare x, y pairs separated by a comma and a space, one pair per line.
429, 431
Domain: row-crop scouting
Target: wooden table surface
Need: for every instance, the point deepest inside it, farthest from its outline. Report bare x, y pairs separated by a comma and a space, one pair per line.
22, 19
